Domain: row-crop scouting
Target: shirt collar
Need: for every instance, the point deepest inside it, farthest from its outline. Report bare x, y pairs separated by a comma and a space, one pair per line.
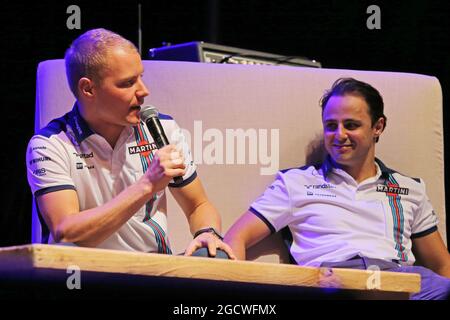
385, 171
329, 165
79, 126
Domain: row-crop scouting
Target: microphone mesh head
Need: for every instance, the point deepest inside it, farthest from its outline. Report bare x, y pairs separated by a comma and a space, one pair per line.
148, 112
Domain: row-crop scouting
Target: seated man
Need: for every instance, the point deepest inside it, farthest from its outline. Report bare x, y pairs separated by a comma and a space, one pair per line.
351, 211
95, 172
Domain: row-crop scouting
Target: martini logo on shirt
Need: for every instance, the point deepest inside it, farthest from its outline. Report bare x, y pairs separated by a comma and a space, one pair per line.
392, 190
143, 148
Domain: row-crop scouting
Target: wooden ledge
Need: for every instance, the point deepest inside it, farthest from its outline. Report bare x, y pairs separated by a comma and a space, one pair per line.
40, 256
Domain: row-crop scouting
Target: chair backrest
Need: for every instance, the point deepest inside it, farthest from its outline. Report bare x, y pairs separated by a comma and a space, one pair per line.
246, 122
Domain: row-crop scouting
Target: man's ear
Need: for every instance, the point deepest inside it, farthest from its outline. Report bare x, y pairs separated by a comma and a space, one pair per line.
86, 87
379, 126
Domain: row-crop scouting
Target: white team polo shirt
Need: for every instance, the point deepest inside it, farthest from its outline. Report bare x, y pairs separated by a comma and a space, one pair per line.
67, 154
332, 218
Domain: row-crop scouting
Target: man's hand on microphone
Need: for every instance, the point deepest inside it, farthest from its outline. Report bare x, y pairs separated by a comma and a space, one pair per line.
167, 163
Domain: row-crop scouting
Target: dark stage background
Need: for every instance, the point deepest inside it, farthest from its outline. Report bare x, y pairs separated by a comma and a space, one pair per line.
414, 37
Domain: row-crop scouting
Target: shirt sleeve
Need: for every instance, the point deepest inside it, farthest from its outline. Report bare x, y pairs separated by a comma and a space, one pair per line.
47, 168
273, 207
178, 138
425, 219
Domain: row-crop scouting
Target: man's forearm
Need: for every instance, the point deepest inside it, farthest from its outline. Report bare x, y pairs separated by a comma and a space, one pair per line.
205, 215
444, 271
91, 227
236, 245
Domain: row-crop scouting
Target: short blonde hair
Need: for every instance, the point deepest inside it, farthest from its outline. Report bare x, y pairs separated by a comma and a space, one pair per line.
87, 55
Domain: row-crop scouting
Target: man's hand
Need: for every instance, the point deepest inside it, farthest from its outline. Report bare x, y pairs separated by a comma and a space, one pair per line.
210, 241
167, 164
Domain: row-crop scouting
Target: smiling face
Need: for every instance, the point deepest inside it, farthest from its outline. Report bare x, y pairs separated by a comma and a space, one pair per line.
348, 132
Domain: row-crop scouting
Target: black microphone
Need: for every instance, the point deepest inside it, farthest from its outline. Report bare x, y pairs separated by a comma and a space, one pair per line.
149, 115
